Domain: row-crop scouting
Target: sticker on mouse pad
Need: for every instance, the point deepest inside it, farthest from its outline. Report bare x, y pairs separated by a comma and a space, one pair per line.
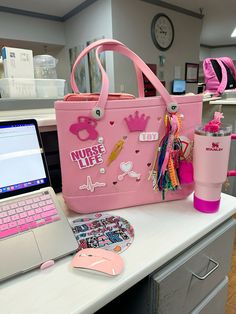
99, 230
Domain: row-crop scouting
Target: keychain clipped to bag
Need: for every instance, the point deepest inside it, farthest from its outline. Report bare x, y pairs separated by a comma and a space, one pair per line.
167, 160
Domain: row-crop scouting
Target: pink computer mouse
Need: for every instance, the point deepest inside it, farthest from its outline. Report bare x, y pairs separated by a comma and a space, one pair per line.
100, 260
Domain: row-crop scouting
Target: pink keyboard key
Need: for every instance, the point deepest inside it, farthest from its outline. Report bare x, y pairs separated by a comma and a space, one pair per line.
49, 213
38, 210
21, 203
7, 219
41, 223
28, 202
4, 227
9, 232
27, 207
23, 215
45, 197
48, 207
32, 224
24, 227
11, 212
21, 222
31, 212
48, 219
37, 217
19, 210
15, 217
12, 224
6, 207
12, 206
2, 215
29, 219
55, 218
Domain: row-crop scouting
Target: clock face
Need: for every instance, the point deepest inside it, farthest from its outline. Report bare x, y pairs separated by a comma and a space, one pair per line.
162, 31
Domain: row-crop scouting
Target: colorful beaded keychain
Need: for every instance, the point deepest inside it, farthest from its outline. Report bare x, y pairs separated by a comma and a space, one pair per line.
167, 158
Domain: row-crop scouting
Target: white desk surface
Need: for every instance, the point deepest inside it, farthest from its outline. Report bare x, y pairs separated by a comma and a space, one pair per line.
223, 102
44, 117
161, 231
210, 99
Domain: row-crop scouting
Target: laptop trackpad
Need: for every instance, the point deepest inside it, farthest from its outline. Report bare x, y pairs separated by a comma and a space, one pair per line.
18, 254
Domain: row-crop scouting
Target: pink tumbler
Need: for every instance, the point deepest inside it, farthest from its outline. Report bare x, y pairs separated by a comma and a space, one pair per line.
210, 163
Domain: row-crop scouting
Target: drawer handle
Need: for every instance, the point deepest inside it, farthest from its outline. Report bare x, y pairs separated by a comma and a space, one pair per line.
210, 272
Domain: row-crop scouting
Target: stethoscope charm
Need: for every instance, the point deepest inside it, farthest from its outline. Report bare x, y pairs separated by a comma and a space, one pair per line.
126, 168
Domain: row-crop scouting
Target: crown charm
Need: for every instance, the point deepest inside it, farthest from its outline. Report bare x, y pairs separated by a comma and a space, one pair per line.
136, 122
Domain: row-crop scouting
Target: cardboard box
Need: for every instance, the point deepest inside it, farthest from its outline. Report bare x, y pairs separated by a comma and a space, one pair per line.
17, 63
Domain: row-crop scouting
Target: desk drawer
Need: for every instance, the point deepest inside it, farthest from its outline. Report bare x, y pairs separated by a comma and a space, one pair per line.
214, 303
180, 286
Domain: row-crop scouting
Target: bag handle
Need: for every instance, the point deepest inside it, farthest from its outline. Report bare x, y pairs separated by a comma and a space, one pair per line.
229, 62
104, 75
114, 45
223, 82
122, 49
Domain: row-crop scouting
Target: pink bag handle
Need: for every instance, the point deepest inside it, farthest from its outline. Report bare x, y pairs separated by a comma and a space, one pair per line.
114, 45
223, 82
229, 62
104, 75
122, 49
232, 173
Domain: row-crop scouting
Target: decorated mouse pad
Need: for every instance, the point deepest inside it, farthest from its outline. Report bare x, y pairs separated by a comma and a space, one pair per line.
105, 231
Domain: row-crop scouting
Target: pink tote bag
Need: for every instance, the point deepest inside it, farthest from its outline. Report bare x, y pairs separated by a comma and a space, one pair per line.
119, 151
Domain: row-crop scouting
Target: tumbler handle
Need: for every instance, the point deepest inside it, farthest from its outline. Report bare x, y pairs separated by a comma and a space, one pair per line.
232, 173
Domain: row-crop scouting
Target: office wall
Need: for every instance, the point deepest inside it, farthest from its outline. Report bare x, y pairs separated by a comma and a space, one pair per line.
29, 29
131, 23
126, 20
217, 52
223, 52
93, 22
204, 53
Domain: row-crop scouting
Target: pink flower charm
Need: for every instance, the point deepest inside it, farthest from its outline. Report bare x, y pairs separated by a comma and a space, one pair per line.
213, 126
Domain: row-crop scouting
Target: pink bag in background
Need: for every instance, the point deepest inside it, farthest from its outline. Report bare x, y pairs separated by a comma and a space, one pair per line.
118, 151
219, 74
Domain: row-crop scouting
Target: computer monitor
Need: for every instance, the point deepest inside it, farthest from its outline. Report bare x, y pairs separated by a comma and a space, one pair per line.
178, 87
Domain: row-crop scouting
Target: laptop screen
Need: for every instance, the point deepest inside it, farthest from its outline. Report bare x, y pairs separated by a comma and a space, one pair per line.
22, 162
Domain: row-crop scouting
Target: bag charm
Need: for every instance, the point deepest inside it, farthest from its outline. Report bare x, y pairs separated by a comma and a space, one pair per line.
116, 151
167, 159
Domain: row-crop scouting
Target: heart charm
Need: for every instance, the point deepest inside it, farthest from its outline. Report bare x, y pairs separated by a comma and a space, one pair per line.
126, 166
148, 164
112, 122
137, 151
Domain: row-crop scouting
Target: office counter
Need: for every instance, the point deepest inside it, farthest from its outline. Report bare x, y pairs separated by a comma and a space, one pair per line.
162, 231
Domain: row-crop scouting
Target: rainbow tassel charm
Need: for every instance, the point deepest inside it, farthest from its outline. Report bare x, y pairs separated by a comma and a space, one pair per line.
166, 163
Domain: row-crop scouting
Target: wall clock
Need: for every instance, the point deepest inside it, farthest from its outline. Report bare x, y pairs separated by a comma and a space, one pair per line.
162, 31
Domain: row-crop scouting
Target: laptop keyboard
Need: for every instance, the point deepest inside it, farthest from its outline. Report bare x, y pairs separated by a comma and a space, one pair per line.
27, 213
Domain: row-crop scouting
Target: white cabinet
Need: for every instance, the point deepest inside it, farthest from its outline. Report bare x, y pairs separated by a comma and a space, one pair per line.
185, 282
194, 282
